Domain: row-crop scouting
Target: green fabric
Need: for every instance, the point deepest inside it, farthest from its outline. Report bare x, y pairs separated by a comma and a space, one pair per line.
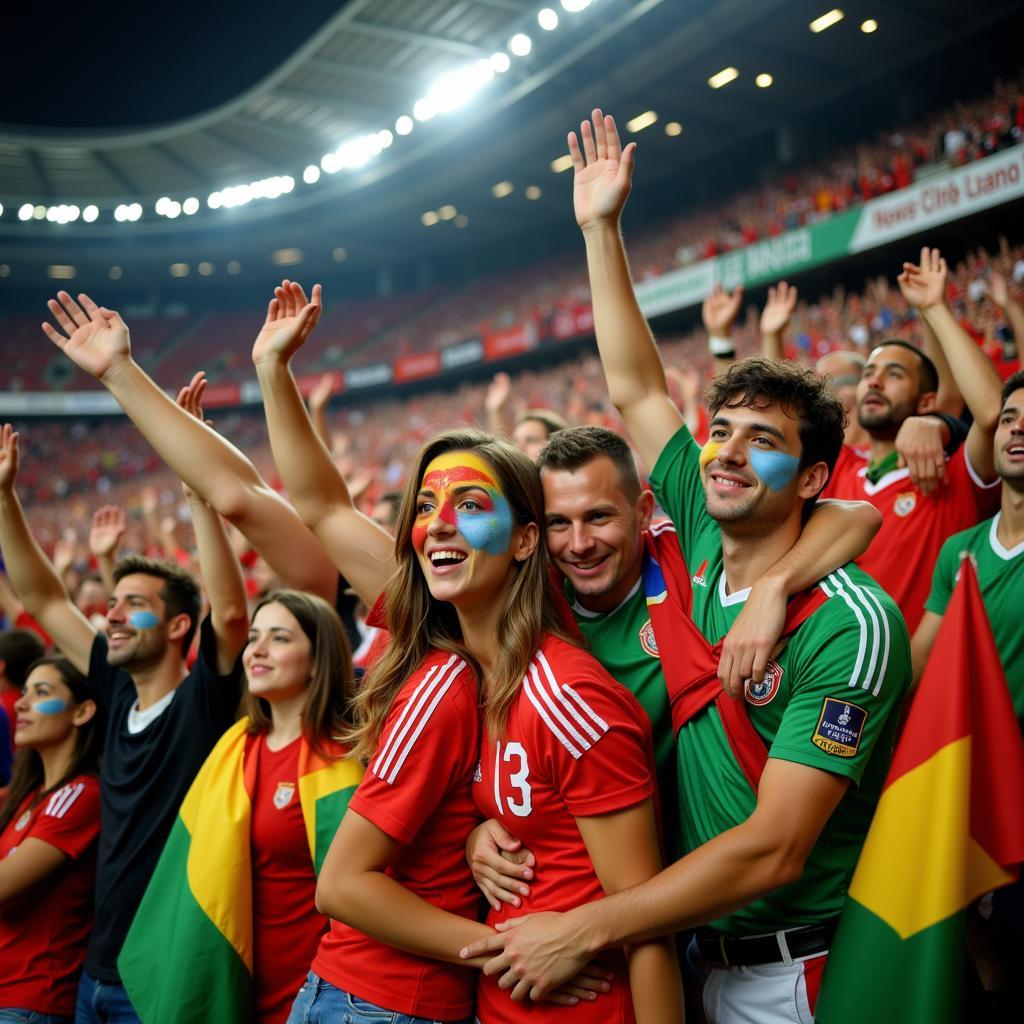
874, 975
857, 637
330, 809
886, 464
219, 985
1001, 578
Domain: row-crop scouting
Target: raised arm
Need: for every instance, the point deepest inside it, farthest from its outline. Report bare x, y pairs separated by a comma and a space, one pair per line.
1012, 309
318, 399
496, 405
632, 366
97, 340
104, 540
359, 548
775, 319
31, 575
718, 313
924, 287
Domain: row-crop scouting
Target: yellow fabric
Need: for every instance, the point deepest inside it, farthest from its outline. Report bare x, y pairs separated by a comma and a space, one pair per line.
317, 778
927, 810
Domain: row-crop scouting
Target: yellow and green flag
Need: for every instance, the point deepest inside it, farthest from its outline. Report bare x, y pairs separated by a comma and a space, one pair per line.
948, 829
189, 953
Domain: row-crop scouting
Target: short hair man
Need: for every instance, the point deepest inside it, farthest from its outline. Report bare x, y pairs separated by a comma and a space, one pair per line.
162, 718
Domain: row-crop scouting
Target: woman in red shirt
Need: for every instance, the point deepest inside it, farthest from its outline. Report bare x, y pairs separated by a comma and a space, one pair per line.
49, 825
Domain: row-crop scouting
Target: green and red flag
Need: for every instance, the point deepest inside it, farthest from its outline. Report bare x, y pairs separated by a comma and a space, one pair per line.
189, 953
948, 828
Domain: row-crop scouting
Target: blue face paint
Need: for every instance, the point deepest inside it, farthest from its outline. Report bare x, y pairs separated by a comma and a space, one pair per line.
50, 706
776, 469
143, 620
490, 530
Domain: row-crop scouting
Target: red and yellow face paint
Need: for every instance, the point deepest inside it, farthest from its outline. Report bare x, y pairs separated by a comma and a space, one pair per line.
457, 477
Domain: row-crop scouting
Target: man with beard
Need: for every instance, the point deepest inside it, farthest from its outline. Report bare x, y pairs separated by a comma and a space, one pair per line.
162, 719
900, 381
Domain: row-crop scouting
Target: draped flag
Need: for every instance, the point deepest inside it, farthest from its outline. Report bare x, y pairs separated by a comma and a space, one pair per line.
189, 952
948, 828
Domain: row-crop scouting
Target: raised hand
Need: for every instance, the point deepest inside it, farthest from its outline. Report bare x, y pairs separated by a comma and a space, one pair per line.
291, 318
64, 552
720, 309
8, 458
95, 338
924, 284
603, 171
190, 398
998, 292
497, 392
108, 527
778, 309
320, 395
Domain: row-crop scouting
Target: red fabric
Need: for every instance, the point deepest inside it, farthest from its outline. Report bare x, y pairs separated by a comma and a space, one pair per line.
813, 970
416, 790
25, 621
8, 698
963, 692
287, 927
43, 931
914, 525
576, 744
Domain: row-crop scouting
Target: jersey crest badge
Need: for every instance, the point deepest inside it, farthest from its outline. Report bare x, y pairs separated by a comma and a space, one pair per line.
648, 641
698, 577
764, 692
904, 504
284, 794
478, 774
840, 727
22, 822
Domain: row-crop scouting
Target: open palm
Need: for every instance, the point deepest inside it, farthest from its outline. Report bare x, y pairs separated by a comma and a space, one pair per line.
924, 284
290, 321
8, 457
603, 171
94, 338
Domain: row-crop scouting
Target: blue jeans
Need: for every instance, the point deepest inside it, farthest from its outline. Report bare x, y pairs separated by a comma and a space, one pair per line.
103, 1002
319, 1002
12, 1015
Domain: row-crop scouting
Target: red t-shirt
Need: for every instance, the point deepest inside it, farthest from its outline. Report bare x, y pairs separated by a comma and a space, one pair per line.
43, 931
576, 744
287, 927
416, 789
8, 698
914, 525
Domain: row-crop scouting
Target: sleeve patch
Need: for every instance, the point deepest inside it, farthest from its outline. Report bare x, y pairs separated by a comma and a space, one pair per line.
840, 727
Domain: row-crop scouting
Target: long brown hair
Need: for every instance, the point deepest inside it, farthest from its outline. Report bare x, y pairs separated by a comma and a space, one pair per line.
325, 713
418, 623
28, 765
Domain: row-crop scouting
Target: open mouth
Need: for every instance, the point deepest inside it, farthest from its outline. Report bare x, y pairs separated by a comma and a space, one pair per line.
729, 482
443, 557
1015, 451
119, 636
588, 567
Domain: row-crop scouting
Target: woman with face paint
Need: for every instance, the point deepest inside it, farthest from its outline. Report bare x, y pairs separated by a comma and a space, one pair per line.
263, 810
49, 825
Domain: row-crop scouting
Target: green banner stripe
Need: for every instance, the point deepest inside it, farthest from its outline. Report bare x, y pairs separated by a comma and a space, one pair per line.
211, 982
330, 809
874, 975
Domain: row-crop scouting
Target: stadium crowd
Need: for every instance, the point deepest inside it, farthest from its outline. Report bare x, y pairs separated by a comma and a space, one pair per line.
306, 721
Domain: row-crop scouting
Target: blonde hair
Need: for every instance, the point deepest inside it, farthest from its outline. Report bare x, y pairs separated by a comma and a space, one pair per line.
418, 623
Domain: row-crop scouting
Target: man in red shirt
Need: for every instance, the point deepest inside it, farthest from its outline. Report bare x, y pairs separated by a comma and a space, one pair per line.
898, 382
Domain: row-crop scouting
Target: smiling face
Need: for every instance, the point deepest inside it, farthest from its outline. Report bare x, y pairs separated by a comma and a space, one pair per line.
1008, 444
463, 530
278, 658
594, 531
46, 711
137, 630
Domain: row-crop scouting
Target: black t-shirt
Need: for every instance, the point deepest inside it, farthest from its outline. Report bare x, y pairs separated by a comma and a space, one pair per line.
345, 605
144, 778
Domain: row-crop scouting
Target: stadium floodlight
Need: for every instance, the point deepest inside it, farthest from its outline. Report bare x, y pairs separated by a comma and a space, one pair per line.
25, 211
214, 201
404, 125
234, 267
1, 209
90, 213
764, 80
51, 214
575, 6
461, 221
73, 212
520, 44
385, 137
173, 210
456, 88
115, 273
447, 212
502, 189
119, 215
723, 77
423, 109
61, 271
205, 268
179, 269
827, 20
190, 206
429, 219
673, 128
547, 19
641, 121
339, 255
38, 211
162, 204
330, 163
868, 26
532, 192
135, 211
311, 175
500, 62
287, 257
563, 163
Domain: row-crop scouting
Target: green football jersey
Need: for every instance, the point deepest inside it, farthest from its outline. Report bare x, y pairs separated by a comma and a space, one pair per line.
1001, 578
829, 700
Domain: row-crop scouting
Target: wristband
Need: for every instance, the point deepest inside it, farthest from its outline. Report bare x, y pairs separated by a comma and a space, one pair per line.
721, 348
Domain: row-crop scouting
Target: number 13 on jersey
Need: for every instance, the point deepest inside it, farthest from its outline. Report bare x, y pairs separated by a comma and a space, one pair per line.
512, 779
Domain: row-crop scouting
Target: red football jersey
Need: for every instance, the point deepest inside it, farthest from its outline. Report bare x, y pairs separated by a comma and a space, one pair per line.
416, 789
43, 931
914, 525
287, 927
576, 744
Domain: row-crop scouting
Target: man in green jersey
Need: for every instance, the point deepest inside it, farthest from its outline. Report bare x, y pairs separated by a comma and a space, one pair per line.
770, 854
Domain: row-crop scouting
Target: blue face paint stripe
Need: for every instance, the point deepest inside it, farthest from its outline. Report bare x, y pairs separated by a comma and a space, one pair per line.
143, 620
488, 531
50, 706
776, 469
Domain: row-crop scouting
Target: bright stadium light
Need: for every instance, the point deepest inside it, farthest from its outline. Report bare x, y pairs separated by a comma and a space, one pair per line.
641, 121
179, 269
404, 125
162, 204
90, 213
673, 128
429, 219
520, 44
563, 163
119, 214
311, 175
547, 19
827, 20
723, 77
447, 212
532, 192
456, 88
500, 62
764, 80
330, 163
423, 109
205, 268
173, 210
25, 211
502, 189
1, 209
868, 26
190, 206
214, 201
39, 211
385, 138
135, 211
575, 6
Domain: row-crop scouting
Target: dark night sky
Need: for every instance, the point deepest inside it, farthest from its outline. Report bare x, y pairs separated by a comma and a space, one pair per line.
111, 65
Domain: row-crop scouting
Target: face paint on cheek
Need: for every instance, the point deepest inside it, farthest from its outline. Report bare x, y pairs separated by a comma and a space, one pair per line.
50, 706
143, 620
708, 453
489, 531
776, 469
